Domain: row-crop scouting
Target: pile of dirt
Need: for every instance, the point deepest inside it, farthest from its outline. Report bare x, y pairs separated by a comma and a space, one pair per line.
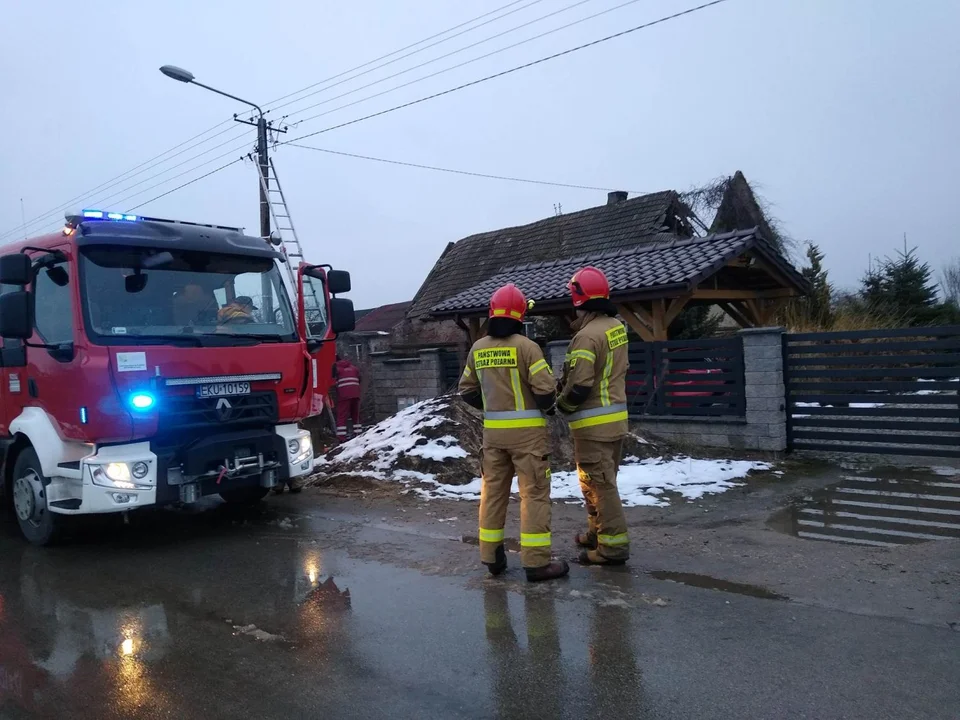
435, 441
438, 442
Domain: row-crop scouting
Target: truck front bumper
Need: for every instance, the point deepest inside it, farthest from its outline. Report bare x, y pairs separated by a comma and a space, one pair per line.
125, 477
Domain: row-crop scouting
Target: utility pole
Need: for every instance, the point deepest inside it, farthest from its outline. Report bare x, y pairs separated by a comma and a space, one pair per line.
263, 159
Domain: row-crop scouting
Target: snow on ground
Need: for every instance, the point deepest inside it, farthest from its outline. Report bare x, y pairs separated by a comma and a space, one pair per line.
641, 482
400, 434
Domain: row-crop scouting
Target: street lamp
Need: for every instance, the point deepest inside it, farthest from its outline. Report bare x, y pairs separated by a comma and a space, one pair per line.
185, 76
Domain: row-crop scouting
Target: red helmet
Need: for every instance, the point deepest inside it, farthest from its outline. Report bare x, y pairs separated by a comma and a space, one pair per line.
508, 302
588, 283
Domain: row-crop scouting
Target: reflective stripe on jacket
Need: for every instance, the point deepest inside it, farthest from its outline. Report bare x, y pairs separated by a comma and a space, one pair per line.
598, 359
508, 372
348, 380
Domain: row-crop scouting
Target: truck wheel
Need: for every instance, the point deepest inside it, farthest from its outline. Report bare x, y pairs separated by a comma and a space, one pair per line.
37, 523
244, 496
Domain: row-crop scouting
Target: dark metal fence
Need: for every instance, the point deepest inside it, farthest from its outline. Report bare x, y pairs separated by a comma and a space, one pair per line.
874, 391
686, 377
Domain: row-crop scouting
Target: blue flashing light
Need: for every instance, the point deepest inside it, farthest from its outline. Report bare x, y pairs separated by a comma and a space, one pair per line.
142, 401
83, 416
101, 215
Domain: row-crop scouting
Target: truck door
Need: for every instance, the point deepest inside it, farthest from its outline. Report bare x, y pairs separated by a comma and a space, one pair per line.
322, 317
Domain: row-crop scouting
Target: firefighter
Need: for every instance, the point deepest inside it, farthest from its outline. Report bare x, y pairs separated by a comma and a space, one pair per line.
348, 398
593, 398
238, 312
507, 377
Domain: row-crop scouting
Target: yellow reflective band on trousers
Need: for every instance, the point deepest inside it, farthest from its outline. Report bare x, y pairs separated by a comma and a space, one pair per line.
514, 419
491, 536
534, 539
613, 540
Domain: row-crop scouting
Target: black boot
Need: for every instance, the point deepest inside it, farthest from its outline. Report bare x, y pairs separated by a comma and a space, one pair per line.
556, 569
498, 566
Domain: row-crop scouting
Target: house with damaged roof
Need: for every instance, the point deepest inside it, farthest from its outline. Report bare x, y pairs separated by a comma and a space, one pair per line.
661, 258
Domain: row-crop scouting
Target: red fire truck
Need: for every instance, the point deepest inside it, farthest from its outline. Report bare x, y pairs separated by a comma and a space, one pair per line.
150, 362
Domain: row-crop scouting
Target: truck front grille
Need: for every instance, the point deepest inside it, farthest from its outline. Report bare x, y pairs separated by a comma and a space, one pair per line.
190, 413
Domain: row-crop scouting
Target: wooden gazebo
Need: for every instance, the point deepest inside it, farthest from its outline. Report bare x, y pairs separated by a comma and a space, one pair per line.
738, 271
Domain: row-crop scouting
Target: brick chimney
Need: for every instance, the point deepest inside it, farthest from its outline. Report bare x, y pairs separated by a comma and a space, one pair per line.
616, 197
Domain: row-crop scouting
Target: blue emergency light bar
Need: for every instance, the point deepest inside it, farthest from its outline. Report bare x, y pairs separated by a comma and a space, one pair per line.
101, 215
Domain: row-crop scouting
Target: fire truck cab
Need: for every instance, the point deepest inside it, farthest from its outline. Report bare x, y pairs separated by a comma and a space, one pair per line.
151, 362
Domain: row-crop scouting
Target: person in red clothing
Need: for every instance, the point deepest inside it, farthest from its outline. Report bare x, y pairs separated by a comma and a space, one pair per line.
347, 377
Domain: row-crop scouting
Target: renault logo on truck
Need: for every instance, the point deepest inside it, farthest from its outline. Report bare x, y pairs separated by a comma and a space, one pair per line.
224, 409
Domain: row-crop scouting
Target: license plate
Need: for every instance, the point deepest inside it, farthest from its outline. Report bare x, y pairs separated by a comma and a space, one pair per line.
223, 389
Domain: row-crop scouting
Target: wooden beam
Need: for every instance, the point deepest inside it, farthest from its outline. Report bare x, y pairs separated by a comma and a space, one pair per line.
634, 321
642, 313
741, 318
714, 294
659, 319
478, 328
769, 310
773, 272
676, 306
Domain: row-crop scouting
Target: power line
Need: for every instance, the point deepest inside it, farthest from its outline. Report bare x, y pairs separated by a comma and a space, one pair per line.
402, 57
390, 54
145, 166
503, 72
116, 180
189, 182
480, 80
127, 174
455, 52
459, 172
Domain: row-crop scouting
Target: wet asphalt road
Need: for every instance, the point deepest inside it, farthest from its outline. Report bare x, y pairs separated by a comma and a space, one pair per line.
294, 611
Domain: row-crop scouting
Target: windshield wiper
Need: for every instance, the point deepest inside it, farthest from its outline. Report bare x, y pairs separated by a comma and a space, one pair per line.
254, 336
184, 340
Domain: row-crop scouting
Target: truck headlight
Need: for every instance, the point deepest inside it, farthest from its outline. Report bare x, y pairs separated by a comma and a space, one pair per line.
120, 475
115, 475
300, 449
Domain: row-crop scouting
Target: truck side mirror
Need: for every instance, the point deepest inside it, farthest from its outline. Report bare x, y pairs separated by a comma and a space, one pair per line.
16, 315
342, 317
15, 269
338, 282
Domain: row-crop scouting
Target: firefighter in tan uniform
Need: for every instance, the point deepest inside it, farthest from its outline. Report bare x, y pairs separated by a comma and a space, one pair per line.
593, 398
508, 378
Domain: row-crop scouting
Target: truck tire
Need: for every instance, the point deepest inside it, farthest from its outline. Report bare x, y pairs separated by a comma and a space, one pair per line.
38, 525
244, 496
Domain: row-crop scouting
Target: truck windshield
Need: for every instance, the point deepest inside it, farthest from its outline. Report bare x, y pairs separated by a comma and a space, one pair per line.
159, 294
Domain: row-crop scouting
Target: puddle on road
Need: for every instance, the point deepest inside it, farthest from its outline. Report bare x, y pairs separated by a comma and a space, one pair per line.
710, 583
893, 508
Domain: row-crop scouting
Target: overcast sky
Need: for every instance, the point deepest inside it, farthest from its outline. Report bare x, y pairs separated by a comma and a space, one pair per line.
844, 114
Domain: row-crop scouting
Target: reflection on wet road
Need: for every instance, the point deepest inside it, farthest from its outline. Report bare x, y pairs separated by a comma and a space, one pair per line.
211, 615
896, 507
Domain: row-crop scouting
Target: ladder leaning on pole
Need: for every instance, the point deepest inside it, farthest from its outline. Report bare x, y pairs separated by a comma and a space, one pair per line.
289, 242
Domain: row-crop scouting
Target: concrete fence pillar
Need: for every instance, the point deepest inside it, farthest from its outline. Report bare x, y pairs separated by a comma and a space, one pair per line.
764, 389
556, 353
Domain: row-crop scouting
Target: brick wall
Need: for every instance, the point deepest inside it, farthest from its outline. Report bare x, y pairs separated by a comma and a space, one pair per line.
396, 380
